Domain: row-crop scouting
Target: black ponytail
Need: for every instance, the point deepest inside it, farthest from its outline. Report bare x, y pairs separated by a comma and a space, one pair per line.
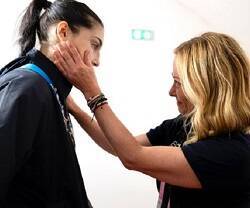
29, 25
75, 13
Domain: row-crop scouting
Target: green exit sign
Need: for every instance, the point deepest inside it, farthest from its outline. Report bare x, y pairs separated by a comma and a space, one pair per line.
141, 34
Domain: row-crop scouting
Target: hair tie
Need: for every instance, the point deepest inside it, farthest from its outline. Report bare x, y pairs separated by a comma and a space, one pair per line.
46, 4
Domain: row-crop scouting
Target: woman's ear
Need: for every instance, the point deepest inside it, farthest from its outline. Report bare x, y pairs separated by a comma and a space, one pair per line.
62, 31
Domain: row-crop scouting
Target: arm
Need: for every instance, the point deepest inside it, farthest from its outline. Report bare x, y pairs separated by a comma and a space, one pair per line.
164, 163
18, 125
93, 129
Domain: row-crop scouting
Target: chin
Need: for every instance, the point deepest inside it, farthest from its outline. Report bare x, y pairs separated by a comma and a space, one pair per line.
181, 110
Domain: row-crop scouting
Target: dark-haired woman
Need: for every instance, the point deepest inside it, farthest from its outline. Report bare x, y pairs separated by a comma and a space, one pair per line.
38, 164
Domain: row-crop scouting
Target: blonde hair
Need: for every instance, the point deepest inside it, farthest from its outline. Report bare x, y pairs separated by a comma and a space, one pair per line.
215, 74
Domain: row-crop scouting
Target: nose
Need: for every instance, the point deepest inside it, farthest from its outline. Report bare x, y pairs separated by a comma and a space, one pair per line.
95, 63
172, 91
96, 60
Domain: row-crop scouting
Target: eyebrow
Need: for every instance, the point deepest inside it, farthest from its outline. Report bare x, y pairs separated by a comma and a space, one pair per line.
176, 78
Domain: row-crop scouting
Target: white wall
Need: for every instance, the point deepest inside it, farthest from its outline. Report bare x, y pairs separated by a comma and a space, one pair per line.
136, 77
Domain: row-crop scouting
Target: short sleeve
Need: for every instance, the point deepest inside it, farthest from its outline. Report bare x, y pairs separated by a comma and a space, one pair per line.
219, 163
166, 132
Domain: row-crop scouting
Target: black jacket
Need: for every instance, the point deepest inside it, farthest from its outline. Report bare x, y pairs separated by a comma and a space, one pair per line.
38, 163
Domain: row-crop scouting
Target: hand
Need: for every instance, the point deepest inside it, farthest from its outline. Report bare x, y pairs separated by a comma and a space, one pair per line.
79, 71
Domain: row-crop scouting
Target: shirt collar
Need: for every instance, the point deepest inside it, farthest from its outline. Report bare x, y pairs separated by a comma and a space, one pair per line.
59, 81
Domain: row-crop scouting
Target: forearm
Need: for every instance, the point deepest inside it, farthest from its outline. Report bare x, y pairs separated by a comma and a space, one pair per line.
93, 130
123, 142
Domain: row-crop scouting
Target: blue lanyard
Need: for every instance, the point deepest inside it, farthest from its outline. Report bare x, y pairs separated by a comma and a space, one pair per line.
39, 71
66, 118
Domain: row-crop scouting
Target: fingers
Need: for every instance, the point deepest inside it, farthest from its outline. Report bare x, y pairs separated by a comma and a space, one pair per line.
86, 58
66, 55
60, 63
64, 58
74, 52
78, 70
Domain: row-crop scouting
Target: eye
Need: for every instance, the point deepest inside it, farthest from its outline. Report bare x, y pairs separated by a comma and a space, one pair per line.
95, 45
177, 84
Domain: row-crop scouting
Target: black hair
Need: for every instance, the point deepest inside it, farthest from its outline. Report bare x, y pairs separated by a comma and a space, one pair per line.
34, 22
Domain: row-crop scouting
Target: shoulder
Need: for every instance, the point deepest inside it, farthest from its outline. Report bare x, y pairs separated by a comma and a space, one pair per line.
221, 159
22, 83
169, 131
226, 142
174, 124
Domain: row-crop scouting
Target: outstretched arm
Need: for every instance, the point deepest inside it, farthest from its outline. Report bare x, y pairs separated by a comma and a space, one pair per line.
164, 163
90, 126
93, 129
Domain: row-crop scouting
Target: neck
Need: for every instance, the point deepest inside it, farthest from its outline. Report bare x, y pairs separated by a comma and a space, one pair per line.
47, 50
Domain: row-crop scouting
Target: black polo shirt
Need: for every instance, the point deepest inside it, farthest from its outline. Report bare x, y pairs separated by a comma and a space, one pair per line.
222, 164
38, 163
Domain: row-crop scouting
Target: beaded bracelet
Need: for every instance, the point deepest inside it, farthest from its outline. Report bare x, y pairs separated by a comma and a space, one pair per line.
98, 105
96, 102
91, 99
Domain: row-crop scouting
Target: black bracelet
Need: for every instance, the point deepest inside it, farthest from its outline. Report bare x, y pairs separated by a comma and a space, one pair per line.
96, 102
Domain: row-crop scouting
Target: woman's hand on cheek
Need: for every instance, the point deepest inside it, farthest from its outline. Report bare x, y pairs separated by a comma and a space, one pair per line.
78, 70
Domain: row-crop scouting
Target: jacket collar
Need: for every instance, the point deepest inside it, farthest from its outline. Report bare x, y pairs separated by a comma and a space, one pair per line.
59, 81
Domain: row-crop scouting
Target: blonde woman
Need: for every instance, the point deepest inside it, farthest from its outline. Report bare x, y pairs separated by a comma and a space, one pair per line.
202, 157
